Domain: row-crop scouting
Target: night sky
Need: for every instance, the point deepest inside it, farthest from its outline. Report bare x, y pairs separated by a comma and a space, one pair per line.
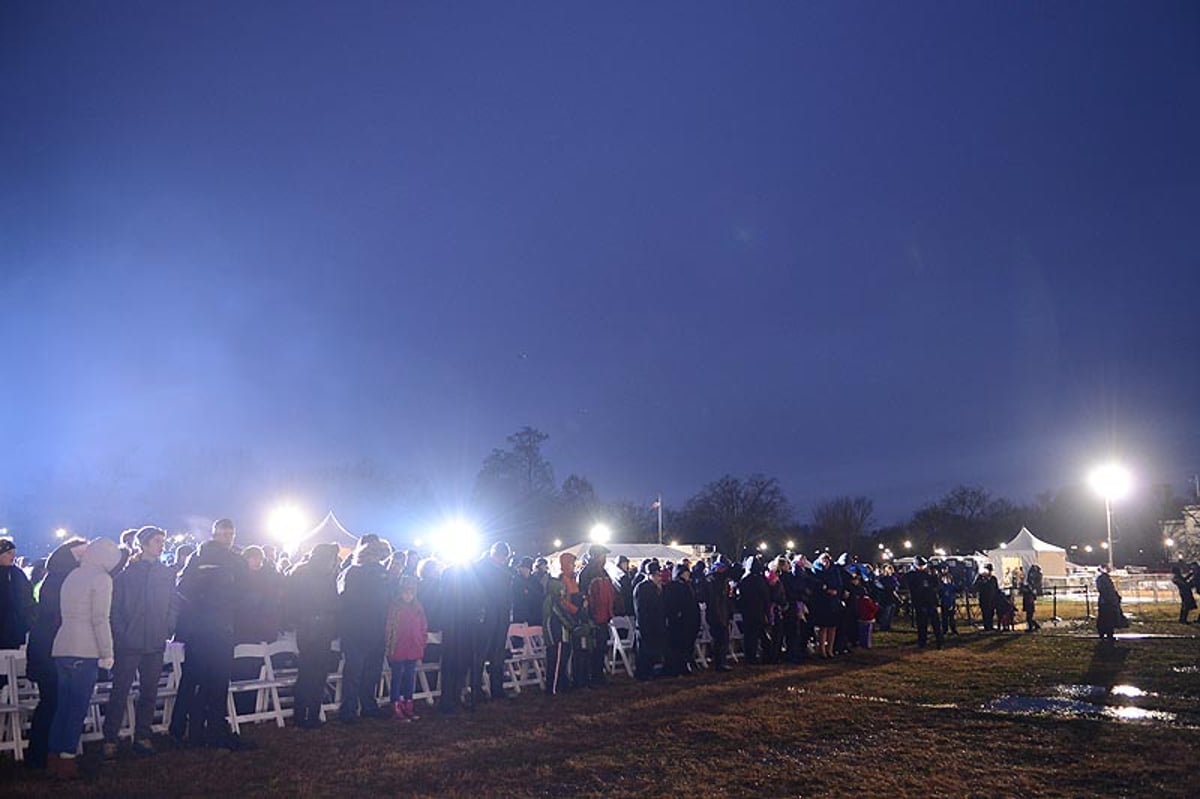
867, 248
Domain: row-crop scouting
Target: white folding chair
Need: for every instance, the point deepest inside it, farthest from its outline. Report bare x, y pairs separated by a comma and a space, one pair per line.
424, 689
12, 725
334, 679
703, 642
93, 722
168, 686
736, 638
522, 665
621, 642
265, 688
285, 675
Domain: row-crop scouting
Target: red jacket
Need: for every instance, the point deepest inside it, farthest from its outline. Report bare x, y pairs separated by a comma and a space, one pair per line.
601, 599
406, 631
867, 608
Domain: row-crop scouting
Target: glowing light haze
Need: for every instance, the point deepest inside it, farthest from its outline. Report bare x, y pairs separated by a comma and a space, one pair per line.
252, 250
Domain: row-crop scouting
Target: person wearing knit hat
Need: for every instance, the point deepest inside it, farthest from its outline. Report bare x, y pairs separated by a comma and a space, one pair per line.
650, 619
312, 602
718, 609
365, 592
683, 621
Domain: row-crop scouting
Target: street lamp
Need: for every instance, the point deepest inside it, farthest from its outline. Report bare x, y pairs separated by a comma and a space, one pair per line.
288, 524
601, 534
1111, 481
908, 544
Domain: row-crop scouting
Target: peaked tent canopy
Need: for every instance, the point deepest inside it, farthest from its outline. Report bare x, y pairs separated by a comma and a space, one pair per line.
1025, 550
635, 552
330, 530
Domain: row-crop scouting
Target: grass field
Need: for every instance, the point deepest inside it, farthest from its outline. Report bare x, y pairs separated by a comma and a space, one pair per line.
893, 720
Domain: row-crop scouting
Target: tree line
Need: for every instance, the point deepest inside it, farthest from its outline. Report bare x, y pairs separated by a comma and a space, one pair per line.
519, 498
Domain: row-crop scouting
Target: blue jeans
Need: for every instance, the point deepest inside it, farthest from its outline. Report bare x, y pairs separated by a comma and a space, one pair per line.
76, 681
404, 679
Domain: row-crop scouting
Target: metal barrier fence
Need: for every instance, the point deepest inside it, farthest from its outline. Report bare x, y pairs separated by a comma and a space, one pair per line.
1075, 597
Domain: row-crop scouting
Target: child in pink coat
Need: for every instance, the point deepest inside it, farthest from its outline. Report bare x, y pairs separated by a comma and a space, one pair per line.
406, 631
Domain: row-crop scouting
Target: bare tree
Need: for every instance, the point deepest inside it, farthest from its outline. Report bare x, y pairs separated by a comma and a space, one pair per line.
841, 520
734, 511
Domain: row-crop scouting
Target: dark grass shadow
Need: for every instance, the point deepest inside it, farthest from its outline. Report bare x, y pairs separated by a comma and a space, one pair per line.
998, 641
1107, 662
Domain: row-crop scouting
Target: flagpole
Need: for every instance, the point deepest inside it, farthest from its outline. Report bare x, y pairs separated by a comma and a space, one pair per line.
660, 520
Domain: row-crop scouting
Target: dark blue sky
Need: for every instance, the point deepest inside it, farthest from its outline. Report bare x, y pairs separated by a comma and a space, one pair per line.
868, 248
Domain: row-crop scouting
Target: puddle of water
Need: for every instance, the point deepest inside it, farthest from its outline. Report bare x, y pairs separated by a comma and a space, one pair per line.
1074, 708
1126, 690
1138, 714
1052, 705
1099, 691
1079, 691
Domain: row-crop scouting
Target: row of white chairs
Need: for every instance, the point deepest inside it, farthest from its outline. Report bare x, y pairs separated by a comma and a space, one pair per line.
272, 686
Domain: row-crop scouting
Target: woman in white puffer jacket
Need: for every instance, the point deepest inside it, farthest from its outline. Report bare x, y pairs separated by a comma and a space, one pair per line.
83, 645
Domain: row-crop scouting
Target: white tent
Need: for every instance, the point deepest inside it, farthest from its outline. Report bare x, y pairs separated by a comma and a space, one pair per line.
635, 552
330, 530
1025, 550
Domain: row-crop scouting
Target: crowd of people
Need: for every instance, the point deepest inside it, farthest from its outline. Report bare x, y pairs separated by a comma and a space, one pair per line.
97, 605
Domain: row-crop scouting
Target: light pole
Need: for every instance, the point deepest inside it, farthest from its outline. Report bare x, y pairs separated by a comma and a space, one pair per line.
1110, 481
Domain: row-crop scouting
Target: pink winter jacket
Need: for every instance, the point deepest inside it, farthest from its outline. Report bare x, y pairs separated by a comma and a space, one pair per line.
406, 631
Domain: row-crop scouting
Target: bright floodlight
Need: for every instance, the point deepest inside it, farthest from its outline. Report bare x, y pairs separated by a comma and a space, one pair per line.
674, 543
1087, 548
418, 542
908, 544
791, 544
763, 546
287, 524
456, 541
60, 532
600, 534
557, 543
1111, 481
1170, 542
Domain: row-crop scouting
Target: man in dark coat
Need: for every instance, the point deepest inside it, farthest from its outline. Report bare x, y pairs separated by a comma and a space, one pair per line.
16, 598
311, 607
1187, 600
496, 586
364, 592
923, 587
988, 588
144, 608
624, 586
718, 609
1108, 608
527, 595
683, 621
754, 597
209, 596
650, 618
462, 613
